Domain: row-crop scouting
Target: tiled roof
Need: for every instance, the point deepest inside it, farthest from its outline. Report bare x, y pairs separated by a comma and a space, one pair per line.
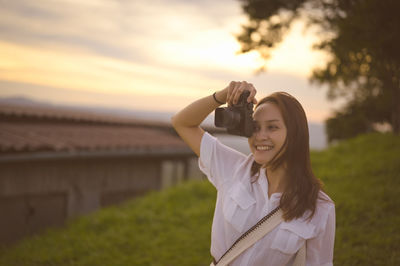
67, 137
42, 130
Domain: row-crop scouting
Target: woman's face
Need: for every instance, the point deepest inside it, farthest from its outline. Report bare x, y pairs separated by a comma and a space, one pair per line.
269, 133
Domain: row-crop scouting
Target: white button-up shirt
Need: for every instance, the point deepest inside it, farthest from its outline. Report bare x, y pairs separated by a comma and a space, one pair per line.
241, 204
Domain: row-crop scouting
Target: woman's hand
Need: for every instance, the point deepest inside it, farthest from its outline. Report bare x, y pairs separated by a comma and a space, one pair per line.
187, 121
236, 88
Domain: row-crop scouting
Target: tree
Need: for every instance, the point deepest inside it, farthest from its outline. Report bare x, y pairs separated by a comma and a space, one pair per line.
357, 117
360, 35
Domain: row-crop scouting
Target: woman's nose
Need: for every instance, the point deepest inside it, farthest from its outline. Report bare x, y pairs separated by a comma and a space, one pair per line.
261, 134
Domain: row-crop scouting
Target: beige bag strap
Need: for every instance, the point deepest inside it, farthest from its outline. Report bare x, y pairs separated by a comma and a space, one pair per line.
254, 234
300, 259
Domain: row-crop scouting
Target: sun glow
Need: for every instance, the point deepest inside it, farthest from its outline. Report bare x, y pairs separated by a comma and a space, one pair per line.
82, 71
295, 54
213, 49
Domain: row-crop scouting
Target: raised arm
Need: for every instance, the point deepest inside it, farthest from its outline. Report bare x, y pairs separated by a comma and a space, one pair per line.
187, 121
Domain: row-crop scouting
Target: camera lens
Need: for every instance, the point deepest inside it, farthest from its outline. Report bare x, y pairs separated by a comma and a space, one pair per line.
225, 117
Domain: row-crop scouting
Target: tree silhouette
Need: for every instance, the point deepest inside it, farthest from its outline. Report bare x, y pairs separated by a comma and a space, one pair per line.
362, 37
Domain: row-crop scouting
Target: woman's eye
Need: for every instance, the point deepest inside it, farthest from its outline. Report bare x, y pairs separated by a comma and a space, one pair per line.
272, 127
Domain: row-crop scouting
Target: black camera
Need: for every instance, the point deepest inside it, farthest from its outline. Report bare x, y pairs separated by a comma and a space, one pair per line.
238, 118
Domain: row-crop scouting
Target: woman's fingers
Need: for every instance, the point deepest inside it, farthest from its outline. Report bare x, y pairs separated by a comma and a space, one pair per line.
230, 91
236, 88
252, 95
242, 86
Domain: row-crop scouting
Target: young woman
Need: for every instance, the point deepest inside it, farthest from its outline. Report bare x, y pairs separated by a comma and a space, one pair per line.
276, 173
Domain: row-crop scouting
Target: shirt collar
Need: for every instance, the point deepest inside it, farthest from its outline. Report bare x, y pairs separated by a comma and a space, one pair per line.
263, 183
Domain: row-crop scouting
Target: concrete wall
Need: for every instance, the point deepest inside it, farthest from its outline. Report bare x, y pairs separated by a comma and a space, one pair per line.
38, 194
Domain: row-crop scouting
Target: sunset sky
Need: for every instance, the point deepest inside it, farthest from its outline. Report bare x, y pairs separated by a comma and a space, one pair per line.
151, 55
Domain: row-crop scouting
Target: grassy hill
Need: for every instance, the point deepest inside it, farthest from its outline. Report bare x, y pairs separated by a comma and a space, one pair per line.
172, 227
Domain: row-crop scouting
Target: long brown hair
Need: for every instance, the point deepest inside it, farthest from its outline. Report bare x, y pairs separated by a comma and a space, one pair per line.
302, 189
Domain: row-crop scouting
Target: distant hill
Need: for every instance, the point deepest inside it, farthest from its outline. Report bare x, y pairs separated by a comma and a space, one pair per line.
318, 139
23, 101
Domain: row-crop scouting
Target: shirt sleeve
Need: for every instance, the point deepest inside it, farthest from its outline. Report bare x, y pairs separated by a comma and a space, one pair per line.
320, 248
218, 161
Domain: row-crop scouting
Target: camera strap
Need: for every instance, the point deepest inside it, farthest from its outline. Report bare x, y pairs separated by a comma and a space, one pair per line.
255, 233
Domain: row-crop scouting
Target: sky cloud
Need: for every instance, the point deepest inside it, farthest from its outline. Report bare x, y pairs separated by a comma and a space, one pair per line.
141, 50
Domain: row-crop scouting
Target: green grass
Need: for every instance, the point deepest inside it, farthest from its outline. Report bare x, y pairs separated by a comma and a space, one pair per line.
363, 178
173, 227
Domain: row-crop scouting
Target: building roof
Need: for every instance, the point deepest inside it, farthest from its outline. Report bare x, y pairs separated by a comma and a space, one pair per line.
32, 130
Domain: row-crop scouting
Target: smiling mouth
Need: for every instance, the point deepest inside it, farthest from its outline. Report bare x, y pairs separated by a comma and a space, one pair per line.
264, 147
